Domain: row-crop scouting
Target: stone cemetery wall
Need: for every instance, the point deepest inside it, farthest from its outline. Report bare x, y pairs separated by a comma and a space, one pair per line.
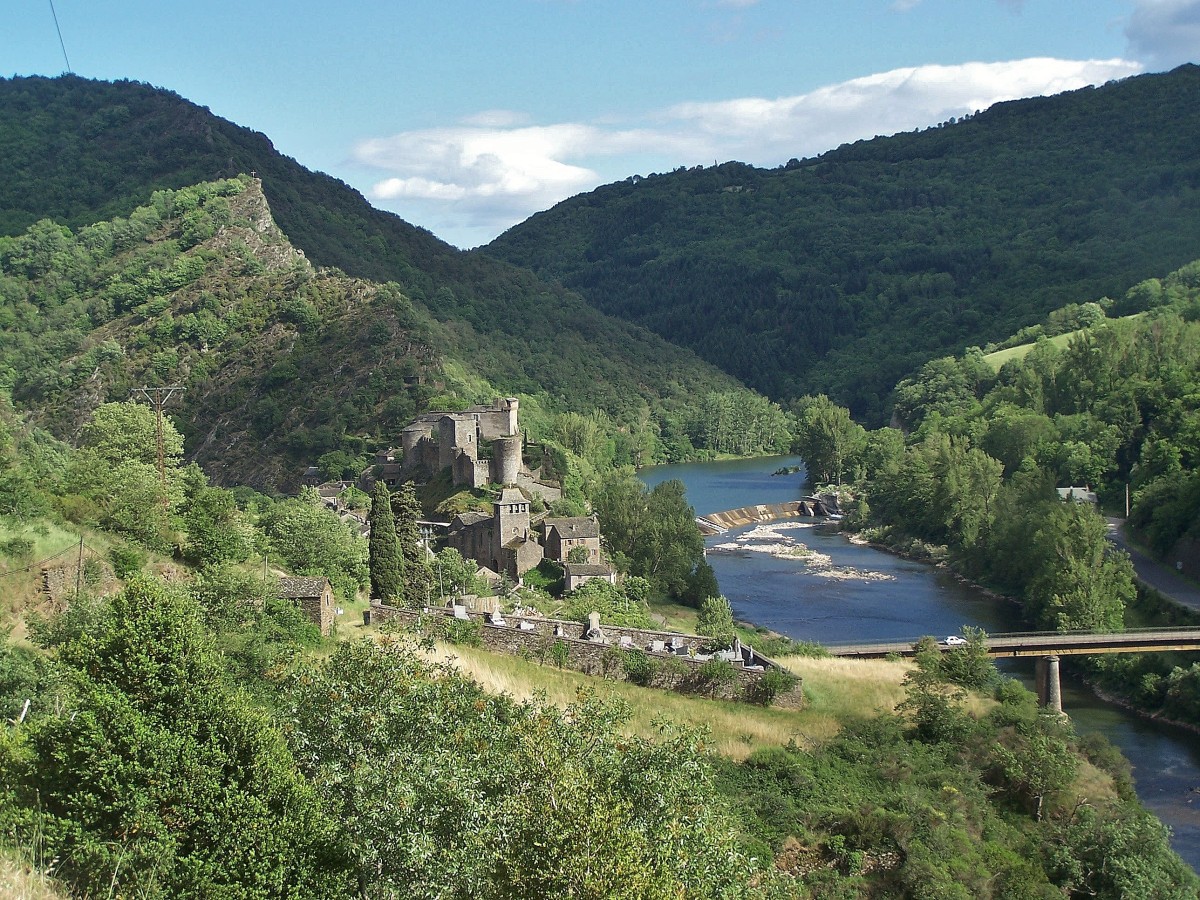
624, 654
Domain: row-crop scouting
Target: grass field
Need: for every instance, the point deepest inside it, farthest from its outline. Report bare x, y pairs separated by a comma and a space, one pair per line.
833, 688
1000, 357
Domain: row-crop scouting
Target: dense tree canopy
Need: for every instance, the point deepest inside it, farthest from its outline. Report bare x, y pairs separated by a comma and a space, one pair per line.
162, 281
651, 532
843, 273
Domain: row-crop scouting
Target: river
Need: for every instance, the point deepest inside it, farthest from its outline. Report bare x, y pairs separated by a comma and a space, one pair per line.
859, 593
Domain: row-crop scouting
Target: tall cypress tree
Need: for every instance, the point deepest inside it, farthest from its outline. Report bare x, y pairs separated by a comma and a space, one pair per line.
418, 578
383, 550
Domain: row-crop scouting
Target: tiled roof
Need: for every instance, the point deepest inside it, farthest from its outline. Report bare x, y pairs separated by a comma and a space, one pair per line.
574, 527
511, 495
292, 588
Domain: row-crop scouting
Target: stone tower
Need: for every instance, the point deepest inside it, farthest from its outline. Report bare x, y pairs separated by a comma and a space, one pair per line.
456, 432
510, 405
511, 515
506, 459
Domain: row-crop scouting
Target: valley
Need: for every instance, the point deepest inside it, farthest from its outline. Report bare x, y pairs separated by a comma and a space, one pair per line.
179, 722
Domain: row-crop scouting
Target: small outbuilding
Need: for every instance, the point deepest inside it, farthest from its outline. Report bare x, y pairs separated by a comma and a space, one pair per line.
1077, 495
313, 595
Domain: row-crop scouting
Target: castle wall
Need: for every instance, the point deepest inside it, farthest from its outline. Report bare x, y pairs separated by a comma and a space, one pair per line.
499, 421
549, 493
464, 469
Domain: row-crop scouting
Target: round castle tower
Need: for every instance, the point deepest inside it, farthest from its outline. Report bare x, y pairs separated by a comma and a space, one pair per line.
413, 433
506, 458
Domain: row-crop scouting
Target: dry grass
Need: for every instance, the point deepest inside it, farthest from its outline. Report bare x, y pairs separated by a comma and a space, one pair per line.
862, 686
1091, 785
21, 881
834, 687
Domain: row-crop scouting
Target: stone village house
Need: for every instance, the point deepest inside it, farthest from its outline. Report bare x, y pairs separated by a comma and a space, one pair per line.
506, 543
314, 596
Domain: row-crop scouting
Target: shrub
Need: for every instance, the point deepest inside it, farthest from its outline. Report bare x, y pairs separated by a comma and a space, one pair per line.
639, 667
126, 559
772, 683
560, 653
17, 548
465, 633
712, 676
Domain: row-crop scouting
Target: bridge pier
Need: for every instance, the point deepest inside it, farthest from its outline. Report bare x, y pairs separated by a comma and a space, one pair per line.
1049, 686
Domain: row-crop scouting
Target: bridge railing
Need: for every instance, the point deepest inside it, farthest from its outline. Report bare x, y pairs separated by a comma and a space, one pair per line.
1013, 635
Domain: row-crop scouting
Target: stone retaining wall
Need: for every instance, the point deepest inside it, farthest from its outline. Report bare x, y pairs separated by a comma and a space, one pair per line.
606, 658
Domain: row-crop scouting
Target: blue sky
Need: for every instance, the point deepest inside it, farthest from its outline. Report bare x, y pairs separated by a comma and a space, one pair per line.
468, 117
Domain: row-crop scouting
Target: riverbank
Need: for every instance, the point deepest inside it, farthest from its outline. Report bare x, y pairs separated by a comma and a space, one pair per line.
782, 595
938, 561
1151, 614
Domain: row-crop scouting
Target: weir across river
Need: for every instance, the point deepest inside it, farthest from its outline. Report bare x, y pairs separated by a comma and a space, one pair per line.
806, 507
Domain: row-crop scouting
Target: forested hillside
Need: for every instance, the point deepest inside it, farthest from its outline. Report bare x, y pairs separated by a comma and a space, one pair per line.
80, 152
1113, 405
843, 273
282, 364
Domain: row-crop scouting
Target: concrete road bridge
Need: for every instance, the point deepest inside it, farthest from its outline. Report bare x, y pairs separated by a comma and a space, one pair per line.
1046, 647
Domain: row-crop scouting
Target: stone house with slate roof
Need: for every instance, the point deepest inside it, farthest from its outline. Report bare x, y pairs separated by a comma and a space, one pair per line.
506, 543
313, 595
564, 534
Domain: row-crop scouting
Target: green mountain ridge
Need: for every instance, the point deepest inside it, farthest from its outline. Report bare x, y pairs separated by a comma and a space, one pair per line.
81, 152
201, 289
843, 273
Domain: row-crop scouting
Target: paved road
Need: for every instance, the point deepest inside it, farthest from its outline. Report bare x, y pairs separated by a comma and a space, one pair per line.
1161, 577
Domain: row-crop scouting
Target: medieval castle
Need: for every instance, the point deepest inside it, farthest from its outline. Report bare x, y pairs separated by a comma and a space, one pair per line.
482, 445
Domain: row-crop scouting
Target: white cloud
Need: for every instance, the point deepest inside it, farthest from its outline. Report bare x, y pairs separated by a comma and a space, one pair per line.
764, 131
498, 118
469, 182
1165, 33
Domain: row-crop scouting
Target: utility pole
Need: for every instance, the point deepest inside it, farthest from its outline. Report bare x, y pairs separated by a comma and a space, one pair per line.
79, 570
158, 397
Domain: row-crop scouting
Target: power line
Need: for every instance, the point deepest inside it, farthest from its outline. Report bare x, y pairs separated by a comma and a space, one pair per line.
60, 38
41, 562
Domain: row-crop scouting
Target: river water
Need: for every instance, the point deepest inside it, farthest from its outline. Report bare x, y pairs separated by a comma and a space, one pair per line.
856, 593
